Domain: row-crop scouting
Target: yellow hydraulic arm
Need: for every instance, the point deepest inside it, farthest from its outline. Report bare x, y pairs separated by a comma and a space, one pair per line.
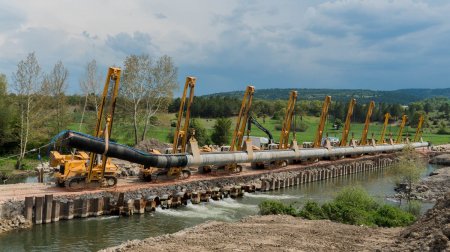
238, 134
366, 124
383, 132
400, 130
323, 119
419, 129
347, 123
105, 116
182, 133
287, 122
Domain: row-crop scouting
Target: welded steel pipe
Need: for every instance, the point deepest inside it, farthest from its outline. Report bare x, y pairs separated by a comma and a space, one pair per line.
97, 145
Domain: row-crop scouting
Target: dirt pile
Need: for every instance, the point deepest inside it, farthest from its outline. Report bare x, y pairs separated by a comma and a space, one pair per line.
150, 144
268, 233
18, 222
430, 233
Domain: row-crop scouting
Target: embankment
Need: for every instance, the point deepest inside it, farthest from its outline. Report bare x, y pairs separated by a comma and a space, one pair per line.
47, 204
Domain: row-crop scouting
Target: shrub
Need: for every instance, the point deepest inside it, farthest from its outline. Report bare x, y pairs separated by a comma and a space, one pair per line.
312, 211
390, 216
276, 207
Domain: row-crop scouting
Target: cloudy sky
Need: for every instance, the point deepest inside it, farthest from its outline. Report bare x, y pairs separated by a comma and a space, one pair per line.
374, 44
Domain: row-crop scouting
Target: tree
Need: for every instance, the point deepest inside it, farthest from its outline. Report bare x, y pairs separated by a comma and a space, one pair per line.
5, 114
159, 89
26, 82
55, 85
90, 85
408, 169
147, 86
221, 131
136, 75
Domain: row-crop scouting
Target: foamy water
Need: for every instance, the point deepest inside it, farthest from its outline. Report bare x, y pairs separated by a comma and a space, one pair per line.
270, 196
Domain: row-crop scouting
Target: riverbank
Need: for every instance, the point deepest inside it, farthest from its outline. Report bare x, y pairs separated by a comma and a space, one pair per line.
286, 233
268, 233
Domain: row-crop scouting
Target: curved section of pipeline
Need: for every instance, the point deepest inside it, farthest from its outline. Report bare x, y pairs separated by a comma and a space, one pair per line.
97, 145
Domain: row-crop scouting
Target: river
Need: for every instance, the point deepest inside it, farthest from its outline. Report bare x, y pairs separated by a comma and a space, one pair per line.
92, 234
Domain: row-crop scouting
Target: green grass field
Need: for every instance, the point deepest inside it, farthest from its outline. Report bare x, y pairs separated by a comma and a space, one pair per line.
123, 132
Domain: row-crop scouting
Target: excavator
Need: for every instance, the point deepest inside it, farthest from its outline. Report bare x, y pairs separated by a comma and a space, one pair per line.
383, 131
367, 123
400, 130
179, 140
79, 169
323, 118
419, 130
346, 130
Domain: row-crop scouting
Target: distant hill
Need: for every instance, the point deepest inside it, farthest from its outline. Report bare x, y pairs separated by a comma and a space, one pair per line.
402, 96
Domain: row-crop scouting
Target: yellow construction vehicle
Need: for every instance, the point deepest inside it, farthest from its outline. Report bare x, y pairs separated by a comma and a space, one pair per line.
367, 123
383, 131
419, 131
284, 136
287, 122
323, 119
239, 130
346, 130
179, 140
400, 130
80, 170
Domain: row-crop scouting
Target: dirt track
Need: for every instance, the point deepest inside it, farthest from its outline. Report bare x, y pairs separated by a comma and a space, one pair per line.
268, 233
20, 191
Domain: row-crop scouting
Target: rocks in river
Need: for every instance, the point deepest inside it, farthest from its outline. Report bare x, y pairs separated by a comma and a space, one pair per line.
17, 222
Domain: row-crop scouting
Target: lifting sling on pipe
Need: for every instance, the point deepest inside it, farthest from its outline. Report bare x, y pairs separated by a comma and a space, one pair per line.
323, 119
346, 130
367, 123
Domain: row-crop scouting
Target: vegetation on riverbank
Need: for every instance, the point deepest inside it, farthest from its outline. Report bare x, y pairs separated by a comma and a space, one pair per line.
352, 205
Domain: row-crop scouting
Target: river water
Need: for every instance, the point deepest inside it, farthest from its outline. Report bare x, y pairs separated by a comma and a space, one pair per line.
92, 234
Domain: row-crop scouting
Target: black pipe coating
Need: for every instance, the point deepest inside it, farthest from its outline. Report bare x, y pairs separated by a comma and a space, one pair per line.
97, 145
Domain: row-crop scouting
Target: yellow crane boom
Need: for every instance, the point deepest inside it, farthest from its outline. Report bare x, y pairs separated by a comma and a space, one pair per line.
105, 118
287, 122
419, 129
383, 132
239, 130
367, 123
182, 133
400, 130
347, 123
323, 119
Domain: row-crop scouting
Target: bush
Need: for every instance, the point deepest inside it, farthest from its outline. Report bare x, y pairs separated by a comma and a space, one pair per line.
312, 211
353, 205
302, 127
276, 207
390, 216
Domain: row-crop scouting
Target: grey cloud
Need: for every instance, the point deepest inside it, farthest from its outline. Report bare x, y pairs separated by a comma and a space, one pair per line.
160, 16
136, 43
